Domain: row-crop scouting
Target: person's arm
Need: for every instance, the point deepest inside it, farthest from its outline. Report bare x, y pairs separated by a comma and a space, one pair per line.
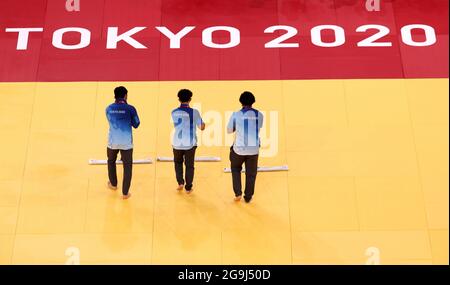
231, 128
260, 120
108, 115
200, 124
135, 122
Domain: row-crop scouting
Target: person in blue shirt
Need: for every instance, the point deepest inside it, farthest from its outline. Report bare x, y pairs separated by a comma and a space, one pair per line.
186, 121
246, 125
122, 118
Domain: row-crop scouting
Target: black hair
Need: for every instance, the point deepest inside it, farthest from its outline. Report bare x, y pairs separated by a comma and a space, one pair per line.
120, 92
184, 95
247, 99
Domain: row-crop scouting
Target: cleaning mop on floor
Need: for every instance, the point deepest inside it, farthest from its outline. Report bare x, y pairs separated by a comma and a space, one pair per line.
104, 162
197, 159
265, 169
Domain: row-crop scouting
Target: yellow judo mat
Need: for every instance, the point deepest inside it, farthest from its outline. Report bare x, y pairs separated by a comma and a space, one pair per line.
368, 178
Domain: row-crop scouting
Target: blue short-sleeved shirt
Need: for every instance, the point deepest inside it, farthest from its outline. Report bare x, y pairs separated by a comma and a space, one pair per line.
122, 118
247, 124
186, 120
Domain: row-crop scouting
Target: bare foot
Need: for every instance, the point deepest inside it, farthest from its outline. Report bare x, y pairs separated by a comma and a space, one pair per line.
110, 186
238, 198
190, 191
125, 197
180, 187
